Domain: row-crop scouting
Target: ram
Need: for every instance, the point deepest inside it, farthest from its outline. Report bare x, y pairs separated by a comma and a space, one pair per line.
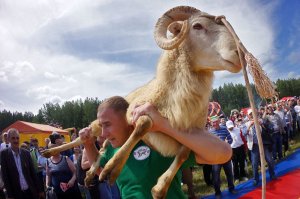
181, 89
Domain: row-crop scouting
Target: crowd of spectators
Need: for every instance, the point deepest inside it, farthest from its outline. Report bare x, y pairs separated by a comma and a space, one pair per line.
278, 125
63, 173
56, 174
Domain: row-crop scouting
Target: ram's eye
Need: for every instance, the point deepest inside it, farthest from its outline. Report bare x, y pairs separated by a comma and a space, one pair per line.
197, 26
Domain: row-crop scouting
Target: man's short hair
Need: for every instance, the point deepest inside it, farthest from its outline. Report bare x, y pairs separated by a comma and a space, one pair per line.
54, 137
117, 104
10, 131
26, 142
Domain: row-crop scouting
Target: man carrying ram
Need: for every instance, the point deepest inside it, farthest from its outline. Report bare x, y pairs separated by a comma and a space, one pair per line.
145, 165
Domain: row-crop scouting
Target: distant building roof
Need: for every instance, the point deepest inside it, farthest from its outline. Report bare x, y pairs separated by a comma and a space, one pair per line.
28, 127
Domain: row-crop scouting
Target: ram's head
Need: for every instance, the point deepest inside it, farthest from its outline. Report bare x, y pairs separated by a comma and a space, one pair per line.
212, 44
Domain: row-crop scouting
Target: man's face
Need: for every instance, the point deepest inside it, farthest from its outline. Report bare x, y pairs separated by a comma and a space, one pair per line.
114, 127
58, 142
279, 107
35, 143
270, 111
14, 140
250, 115
40, 149
223, 121
215, 124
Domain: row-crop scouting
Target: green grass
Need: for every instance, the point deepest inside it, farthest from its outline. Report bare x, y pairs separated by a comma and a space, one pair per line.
201, 189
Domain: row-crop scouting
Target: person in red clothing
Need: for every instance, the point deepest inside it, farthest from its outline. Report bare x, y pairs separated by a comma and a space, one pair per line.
234, 114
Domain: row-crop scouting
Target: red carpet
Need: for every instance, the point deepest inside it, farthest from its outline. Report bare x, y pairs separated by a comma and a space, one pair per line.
285, 187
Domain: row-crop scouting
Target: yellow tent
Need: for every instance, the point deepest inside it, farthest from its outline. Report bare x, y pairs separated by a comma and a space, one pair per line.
29, 130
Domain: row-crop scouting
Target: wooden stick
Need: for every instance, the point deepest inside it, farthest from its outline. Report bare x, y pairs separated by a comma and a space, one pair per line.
240, 47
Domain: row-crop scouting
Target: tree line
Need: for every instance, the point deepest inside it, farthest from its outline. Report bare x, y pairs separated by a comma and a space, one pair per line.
80, 114
235, 96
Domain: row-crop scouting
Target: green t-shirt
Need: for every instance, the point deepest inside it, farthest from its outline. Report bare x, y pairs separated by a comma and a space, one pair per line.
142, 170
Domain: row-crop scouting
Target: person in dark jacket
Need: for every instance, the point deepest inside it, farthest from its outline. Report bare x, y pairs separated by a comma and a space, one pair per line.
18, 174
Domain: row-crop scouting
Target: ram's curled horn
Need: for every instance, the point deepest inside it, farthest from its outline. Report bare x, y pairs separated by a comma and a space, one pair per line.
180, 13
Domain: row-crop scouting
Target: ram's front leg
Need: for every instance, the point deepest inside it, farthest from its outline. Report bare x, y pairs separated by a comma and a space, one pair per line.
115, 165
95, 166
96, 130
160, 190
47, 153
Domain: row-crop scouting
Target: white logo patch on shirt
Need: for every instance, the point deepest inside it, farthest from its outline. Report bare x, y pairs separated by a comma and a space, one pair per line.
141, 153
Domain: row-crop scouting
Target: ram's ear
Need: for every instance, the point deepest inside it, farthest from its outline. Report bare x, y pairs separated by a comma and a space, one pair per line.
175, 27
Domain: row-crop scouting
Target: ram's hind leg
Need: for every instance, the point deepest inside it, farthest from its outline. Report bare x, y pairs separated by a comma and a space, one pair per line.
161, 188
115, 165
95, 166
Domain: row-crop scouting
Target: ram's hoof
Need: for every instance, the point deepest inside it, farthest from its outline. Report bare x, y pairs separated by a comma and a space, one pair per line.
158, 193
112, 171
48, 153
88, 179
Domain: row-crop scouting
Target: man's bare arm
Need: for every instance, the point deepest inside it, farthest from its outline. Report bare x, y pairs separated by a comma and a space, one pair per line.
90, 151
208, 148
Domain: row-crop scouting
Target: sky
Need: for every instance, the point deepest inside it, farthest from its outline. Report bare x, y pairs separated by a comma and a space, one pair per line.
57, 51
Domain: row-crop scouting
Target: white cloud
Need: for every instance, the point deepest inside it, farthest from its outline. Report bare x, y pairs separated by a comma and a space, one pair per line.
44, 89
69, 79
54, 99
1, 103
294, 57
20, 70
41, 92
74, 98
292, 74
3, 77
57, 50
87, 74
50, 75
59, 77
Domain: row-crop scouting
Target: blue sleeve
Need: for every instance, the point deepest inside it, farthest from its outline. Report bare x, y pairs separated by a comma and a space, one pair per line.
244, 130
71, 158
213, 131
229, 138
70, 152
